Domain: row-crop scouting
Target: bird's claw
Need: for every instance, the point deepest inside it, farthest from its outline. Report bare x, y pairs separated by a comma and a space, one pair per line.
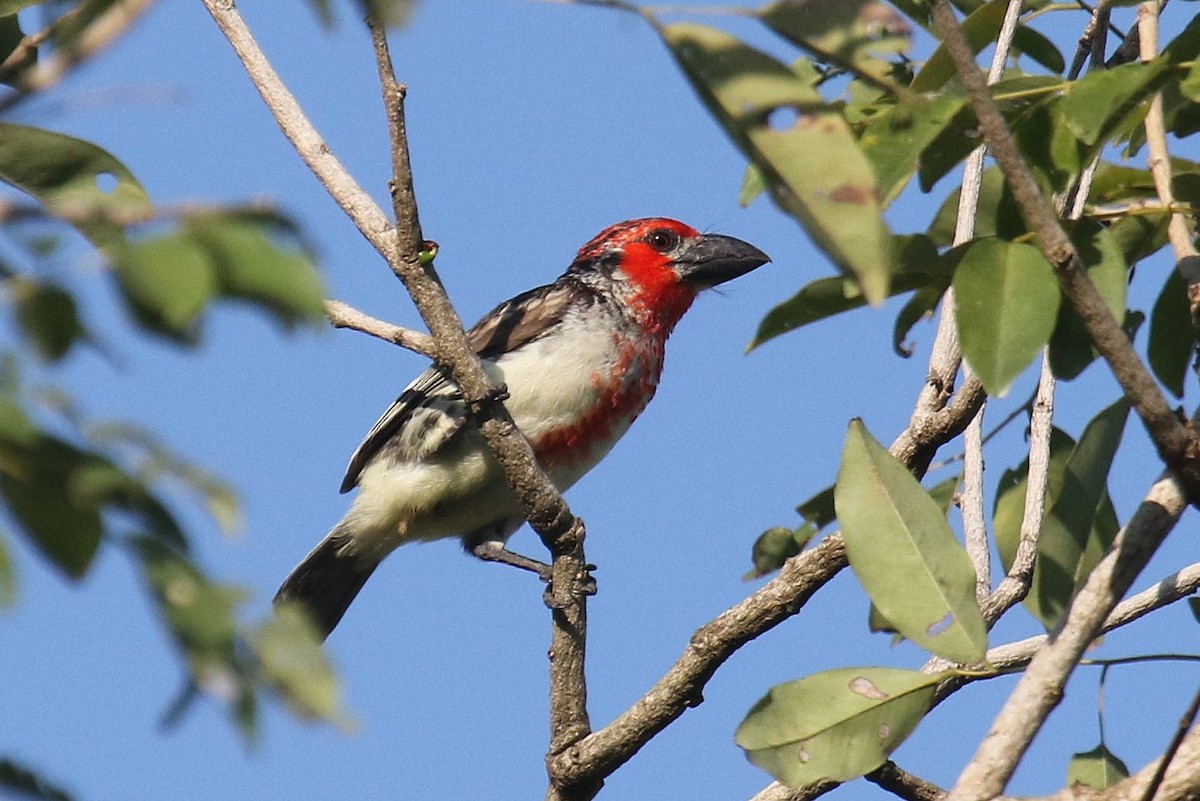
583, 586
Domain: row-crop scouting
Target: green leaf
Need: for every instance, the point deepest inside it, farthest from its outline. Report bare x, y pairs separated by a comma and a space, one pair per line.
1080, 523
1172, 336
851, 34
919, 266
8, 578
903, 552
775, 546
753, 185
895, 139
1107, 102
805, 150
818, 509
996, 215
1070, 345
1006, 301
289, 649
838, 724
46, 487
21, 782
980, 28
1194, 606
167, 281
1098, 768
75, 180
47, 316
251, 266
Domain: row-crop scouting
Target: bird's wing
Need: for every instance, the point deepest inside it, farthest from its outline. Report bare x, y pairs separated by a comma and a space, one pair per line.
431, 411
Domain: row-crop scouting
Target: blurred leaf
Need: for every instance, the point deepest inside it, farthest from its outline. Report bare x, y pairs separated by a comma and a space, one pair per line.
1172, 336
249, 265
753, 185
8, 578
980, 28
851, 34
1107, 102
74, 180
10, 33
904, 554
806, 152
895, 139
47, 315
837, 724
1194, 606
289, 649
45, 487
943, 493
919, 265
21, 782
1006, 301
775, 546
818, 509
1071, 348
167, 281
1098, 768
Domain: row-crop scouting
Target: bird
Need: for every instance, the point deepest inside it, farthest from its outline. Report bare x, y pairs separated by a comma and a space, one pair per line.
579, 358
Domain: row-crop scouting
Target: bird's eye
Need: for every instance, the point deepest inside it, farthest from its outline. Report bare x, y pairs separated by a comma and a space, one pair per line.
662, 239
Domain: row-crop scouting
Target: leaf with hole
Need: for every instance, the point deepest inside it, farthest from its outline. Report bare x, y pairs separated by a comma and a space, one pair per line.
904, 553
75, 180
838, 724
805, 150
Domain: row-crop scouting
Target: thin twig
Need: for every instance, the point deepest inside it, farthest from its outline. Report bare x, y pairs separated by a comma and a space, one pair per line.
1185, 723
975, 535
1015, 586
1187, 259
343, 315
903, 784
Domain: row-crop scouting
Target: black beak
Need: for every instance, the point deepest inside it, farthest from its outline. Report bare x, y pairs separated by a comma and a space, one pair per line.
714, 259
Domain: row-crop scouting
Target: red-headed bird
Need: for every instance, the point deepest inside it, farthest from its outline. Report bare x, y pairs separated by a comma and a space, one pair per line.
580, 358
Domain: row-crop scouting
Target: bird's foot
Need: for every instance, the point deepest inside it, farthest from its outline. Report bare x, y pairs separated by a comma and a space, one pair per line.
584, 583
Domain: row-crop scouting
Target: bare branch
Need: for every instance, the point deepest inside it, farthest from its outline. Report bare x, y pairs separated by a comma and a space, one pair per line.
342, 315
1187, 259
975, 535
1015, 586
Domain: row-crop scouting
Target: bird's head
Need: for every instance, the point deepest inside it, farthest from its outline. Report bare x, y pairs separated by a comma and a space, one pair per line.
658, 264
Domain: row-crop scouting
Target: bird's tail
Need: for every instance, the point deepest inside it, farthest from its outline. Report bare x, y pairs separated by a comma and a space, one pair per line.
326, 582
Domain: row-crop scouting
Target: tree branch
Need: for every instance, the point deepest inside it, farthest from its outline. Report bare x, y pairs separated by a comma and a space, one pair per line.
1041, 687
1187, 259
343, 315
409, 258
1175, 441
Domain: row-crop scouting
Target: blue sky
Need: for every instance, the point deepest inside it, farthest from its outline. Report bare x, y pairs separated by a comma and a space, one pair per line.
532, 127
